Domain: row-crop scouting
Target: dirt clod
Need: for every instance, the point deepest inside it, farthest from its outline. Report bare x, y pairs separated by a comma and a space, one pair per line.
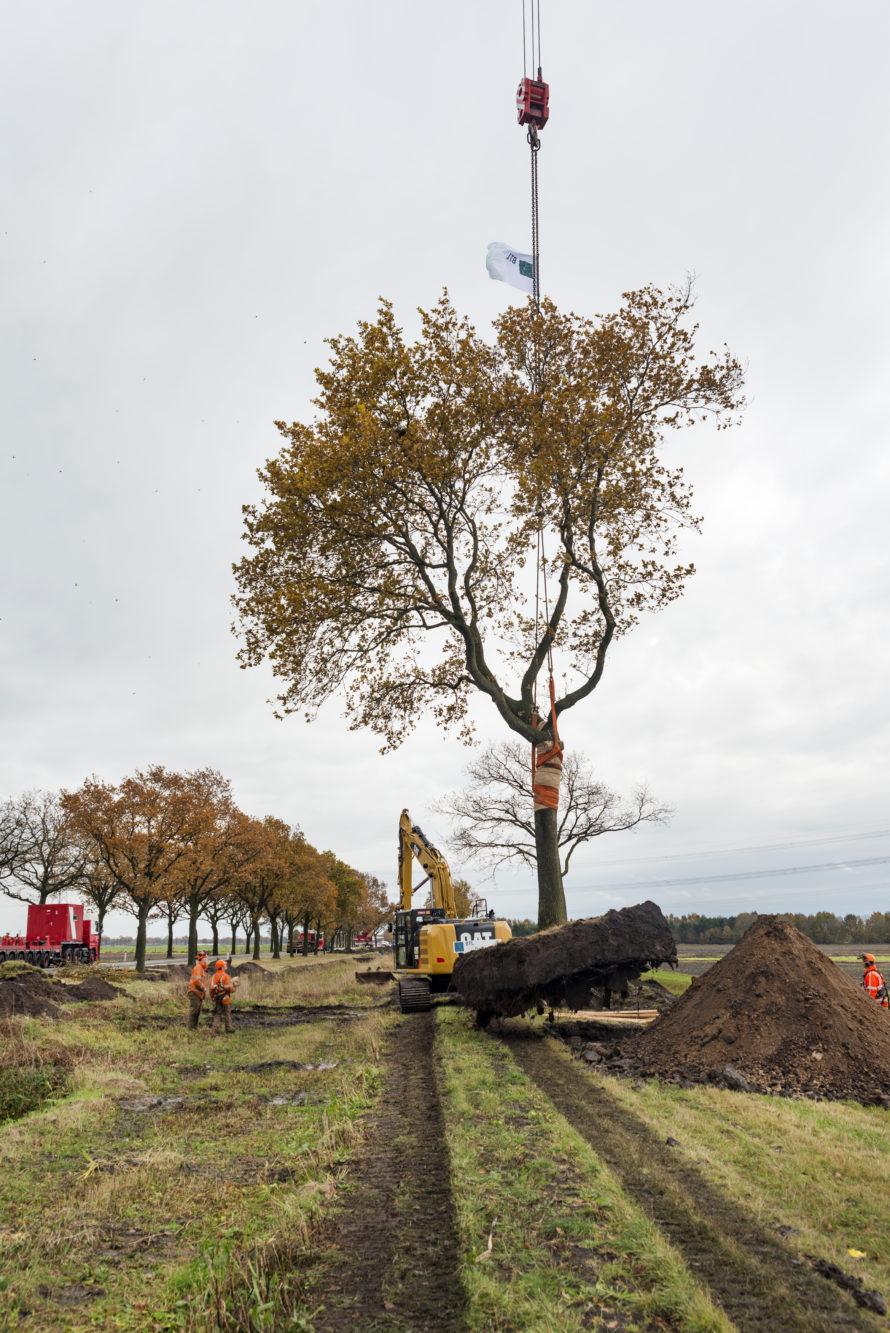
867, 1300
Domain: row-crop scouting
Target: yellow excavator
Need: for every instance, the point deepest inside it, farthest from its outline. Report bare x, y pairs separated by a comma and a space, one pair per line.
427, 940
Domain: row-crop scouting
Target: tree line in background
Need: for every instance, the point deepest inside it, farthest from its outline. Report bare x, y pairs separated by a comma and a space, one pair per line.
174, 846
820, 927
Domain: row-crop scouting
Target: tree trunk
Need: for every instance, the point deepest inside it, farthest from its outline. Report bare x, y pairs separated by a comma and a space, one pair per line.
169, 935
256, 941
291, 922
305, 936
275, 940
193, 932
551, 896
317, 936
248, 936
141, 931
234, 938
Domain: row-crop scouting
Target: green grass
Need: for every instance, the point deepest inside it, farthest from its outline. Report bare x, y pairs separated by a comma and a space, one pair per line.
675, 982
151, 1180
567, 1247
813, 1166
172, 1178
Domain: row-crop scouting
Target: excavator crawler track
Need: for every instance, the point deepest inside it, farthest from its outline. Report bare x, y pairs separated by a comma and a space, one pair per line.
414, 995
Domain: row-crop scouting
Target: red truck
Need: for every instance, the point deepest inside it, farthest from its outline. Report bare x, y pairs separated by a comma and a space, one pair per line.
297, 945
56, 933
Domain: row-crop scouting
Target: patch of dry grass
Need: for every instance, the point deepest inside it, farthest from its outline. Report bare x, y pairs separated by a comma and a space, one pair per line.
172, 1149
806, 1165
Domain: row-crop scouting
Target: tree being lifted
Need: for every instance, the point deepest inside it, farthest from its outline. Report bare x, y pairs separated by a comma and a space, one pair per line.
390, 553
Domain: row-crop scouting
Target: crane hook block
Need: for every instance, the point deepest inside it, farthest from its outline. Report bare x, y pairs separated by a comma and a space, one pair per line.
533, 102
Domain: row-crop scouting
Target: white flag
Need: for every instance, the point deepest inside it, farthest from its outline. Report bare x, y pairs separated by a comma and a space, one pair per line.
506, 265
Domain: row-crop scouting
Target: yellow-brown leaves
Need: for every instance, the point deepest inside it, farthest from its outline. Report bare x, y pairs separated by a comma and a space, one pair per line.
388, 558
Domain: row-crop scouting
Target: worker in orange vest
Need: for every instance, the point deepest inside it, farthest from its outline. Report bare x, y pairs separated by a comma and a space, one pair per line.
197, 989
222, 987
872, 980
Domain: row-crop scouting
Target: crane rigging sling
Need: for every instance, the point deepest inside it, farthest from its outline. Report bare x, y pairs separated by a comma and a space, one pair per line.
547, 764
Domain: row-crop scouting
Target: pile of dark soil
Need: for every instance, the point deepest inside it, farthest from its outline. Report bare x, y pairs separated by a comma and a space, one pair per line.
175, 972
246, 969
774, 1015
31, 994
560, 967
91, 988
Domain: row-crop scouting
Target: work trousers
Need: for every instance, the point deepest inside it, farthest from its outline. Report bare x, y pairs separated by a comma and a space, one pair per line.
221, 1014
195, 1002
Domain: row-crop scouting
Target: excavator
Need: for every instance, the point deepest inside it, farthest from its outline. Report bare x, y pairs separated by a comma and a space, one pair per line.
428, 940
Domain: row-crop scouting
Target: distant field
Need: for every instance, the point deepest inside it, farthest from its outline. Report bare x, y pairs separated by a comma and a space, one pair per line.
697, 958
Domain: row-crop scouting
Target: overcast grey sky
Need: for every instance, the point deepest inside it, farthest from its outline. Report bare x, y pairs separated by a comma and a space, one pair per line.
196, 194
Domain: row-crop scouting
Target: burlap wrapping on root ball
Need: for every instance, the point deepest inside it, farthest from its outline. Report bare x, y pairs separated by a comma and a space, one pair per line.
561, 966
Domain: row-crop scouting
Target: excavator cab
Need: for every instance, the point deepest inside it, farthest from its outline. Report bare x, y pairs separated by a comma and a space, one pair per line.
406, 935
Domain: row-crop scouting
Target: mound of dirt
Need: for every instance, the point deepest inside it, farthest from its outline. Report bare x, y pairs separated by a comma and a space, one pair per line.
175, 972
774, 1015
561, 966
246, 969
22, 997
31, 994
92, 988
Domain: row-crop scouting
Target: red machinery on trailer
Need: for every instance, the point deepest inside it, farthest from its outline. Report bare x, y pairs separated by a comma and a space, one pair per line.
56, 933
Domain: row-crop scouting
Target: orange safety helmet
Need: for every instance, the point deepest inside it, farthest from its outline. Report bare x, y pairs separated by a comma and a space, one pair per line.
202, 953
867, 958
220, 962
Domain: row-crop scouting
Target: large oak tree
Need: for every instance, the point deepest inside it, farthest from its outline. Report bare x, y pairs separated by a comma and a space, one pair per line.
391, 555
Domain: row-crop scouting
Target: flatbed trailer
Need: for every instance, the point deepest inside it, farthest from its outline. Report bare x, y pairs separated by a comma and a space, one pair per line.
55, 934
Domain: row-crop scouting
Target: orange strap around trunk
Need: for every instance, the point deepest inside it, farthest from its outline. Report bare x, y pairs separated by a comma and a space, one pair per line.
547, 764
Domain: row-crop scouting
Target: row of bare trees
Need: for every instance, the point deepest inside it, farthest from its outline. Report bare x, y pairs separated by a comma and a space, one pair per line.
162, 844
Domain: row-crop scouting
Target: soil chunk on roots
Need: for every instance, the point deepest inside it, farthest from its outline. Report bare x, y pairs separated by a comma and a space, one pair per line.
560, 967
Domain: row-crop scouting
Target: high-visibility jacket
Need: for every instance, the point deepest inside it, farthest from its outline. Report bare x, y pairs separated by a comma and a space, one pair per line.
874, 985
221, 987
198, 980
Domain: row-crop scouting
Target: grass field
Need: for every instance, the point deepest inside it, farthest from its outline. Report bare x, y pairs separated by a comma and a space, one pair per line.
170, 1180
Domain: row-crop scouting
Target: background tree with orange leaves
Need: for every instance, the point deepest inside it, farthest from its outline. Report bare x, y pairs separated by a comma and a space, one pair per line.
393, 557
140, 830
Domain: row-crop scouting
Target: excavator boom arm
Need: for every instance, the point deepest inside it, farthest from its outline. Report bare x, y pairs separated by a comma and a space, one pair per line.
413, 842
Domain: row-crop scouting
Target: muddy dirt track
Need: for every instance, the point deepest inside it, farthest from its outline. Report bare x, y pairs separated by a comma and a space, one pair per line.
394, 1226
757, 1281
391, 1247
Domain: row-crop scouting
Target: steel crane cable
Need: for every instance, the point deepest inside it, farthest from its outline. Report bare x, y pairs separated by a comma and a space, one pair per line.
534, 144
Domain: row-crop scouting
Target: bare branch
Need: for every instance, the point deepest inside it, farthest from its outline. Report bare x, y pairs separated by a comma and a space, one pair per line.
493, 820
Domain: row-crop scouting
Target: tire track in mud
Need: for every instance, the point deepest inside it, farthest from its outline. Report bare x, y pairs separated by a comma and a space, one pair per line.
750, 1274
394, 1251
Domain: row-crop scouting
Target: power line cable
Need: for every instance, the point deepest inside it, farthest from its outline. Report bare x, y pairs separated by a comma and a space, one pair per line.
635, 885
753, 847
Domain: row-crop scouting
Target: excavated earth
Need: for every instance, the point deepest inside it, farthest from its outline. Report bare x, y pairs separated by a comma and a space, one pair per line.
563, 966
774, 1015
31, 994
